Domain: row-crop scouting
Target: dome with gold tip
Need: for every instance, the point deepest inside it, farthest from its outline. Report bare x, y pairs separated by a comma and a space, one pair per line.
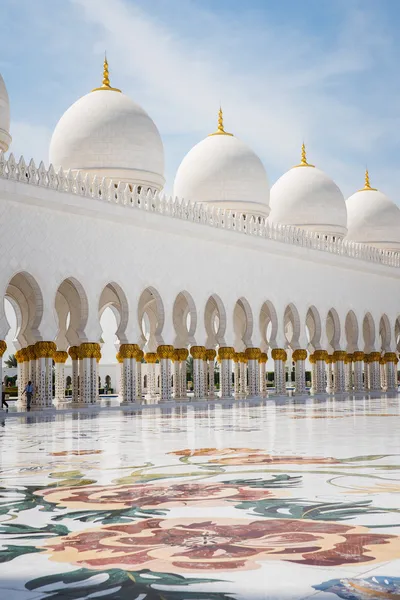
106, 134
373, 218
306, 197
223, 171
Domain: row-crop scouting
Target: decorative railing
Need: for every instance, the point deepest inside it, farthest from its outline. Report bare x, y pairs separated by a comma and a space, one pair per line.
137, 197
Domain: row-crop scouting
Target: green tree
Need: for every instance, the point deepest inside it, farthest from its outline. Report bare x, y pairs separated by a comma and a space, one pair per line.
11, 361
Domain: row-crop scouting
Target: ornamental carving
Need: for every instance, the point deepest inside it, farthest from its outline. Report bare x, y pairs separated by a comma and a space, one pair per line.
45, 349
30, 352
140, 356
89, 350
60, 356
263, 357
299, 354
18, 356
374, 356
349, 358
279, 354
74, 352
119, 358
3, 347
391, 357
253, 353
320, 355
211, 354
242, 357
151, 358
165, 351
129, 350
358, 356
339, 355
329, 359
312, 359
226, 353
183, 354
198, 352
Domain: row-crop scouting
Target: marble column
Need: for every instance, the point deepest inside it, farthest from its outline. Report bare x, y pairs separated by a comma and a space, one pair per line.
236, 375
339, 357
374, 371
198, 353
139, 379
348, 373
262, 362
44, 352
165, 353
60, 358
329, 373
225, 355
253, 355
320, 371
128, 354
391, 371
121, 392
3, 348
210, 357
382, 369
151, 359
23, 375
89, 353
177, 375
242, 374
299, 356
279, 356
74, 354
183, 355
358, 358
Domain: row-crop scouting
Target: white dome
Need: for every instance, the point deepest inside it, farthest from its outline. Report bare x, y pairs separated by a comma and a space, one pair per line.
107, 134
5, 138
373, 219
306, 197
223, 171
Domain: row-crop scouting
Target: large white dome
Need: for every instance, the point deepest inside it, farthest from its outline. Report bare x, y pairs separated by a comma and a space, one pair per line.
5, 138
306, 197
107, 134
373, 219
223, 171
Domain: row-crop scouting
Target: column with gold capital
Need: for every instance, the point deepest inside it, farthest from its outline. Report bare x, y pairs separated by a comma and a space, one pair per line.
3, 348
30, 351
89, 353
329, 373
225, 356
128, 353
210, 357
374, 371
262, 361
299, 356
74, 354
339, 357
198, 353
391, 360
120, 361
358, 358
348, 372
151, 359
165, 353
279, 357
242, 374
236, 375
44, 352
252, 355
176, 375
183, 355
139, 387
60, 358
320, 371
23, 375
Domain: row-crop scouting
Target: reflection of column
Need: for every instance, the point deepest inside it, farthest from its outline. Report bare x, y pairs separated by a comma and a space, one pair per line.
198, 353
165, 353
60, 358
252, 355
139, 379
74, 354
391, 374
358, 358
225, 355
348, 373
338, 371
177, 375
128, 354
279, 357
263, 373
374, 371
210, 357
151, 359
299, 356
329, 373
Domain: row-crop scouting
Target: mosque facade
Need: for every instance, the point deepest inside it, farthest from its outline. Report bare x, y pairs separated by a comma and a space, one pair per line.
243, 277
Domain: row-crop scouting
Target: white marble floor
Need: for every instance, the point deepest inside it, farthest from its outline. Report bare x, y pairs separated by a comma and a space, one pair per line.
276, 500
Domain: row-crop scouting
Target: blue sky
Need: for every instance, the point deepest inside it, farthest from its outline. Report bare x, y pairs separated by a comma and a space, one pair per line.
323, 71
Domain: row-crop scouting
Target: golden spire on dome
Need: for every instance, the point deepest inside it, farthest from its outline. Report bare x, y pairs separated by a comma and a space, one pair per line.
106, 78
367, 185
220, 129
303, 162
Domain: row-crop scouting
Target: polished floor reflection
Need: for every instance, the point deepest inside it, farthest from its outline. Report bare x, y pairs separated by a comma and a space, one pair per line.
288, 500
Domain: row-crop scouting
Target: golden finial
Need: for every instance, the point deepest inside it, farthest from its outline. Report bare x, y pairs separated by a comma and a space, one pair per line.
220, 129
367, 185
303, 162
106, 78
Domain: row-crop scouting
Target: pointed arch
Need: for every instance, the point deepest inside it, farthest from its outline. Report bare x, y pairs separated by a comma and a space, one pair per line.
333, 330
71, 306
24, 291
351, 331
385, 333
313, 329
215, 321
369, 333
268, 323
151, 317
242, 324
114, 297
184, 317
291, 325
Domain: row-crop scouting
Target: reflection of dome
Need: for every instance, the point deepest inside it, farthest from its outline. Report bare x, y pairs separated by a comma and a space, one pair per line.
223, 171
373, 218
306, 197
107, 134
5, 138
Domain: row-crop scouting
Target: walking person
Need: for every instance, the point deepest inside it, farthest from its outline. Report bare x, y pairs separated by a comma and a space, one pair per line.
3, 395
29, 389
